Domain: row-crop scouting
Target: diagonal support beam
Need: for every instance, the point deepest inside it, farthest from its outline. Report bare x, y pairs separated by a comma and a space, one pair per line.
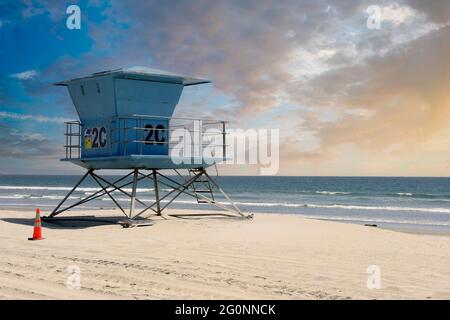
93, 196
55, 211
108, 193
123, 191
224, 194
180, 190
211, 201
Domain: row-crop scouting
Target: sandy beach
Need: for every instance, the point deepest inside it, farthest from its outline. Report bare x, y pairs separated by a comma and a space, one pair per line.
271, 257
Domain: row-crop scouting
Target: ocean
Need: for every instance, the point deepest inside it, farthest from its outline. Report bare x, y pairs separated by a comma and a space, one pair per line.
400, 203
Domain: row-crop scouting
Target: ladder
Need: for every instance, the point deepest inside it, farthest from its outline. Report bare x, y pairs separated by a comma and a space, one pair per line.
201, 185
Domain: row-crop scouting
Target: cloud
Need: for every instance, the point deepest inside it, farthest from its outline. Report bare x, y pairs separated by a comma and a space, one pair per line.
397, 14
37, 118
436, 10
25, 145
55, 10
252, 51
243, 46
376, 90
394, 103
26, 75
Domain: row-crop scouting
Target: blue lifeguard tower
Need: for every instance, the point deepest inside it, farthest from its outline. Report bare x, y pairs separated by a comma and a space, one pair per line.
126, 122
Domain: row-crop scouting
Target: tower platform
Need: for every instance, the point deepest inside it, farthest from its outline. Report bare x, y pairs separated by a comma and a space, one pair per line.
144, 162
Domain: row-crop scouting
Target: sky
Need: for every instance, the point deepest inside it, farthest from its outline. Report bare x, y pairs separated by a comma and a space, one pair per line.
348, 98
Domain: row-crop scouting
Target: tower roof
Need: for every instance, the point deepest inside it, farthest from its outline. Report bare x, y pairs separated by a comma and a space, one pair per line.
142, 73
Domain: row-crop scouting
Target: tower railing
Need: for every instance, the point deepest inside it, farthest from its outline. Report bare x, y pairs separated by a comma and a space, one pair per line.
132, 130
73, 139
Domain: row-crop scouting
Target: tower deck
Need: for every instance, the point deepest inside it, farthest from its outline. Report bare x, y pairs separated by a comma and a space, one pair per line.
135, 161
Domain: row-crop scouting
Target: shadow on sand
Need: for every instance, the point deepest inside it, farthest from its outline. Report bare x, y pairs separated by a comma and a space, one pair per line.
83, 222
74, 222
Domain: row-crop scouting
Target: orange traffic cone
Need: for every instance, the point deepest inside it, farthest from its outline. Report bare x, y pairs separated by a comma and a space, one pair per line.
37, 232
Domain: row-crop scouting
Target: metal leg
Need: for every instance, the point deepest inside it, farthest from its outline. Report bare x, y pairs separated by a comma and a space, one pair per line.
111, 187
155, 183
178, 188
224, 194
133, 192
181, 188
235, 209
97, 194
119, 188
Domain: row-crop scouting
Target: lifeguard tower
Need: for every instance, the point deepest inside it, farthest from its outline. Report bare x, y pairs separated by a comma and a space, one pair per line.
126, 123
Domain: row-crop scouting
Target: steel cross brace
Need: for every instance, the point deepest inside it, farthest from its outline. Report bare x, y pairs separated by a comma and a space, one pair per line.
178, 188
96, 194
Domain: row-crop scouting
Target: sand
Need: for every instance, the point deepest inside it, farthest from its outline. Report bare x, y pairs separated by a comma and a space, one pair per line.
272, 257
